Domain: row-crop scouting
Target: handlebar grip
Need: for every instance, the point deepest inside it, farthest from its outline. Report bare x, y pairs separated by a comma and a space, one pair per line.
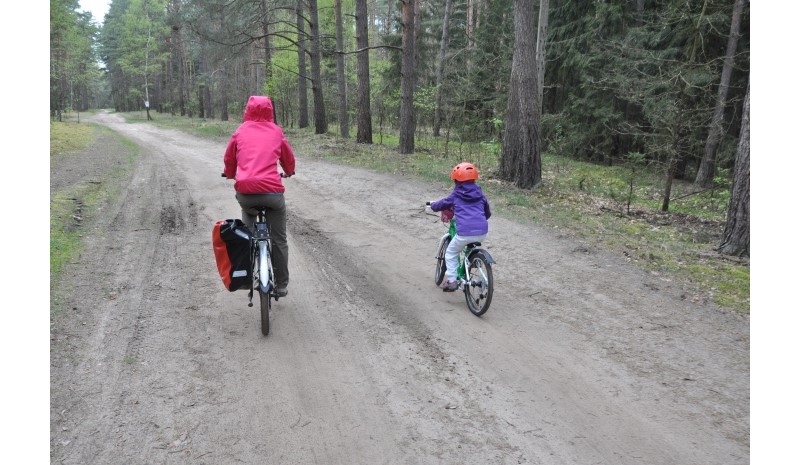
223, 175
428, 203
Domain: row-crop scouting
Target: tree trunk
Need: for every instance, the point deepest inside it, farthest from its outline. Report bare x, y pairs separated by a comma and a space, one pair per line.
204, 90
169, 75
320, 118
469, 31
56, 71
521, 161
146, 84
626, 139
267, 51
210, 104
437, 112
541, 45
639, 12
389, 17
705, 173
670, 175
201, 104
222, 69
344, 122
183, 87
736, 236
223, 90
408, 71
364, 133
178, 60
302, 78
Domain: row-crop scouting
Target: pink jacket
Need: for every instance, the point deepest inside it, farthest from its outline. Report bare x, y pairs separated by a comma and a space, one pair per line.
255, 149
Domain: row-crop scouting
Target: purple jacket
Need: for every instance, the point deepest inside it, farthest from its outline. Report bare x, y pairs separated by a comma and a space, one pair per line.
471, 208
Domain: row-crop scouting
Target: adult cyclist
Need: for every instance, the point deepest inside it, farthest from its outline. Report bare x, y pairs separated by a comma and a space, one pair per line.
252, 157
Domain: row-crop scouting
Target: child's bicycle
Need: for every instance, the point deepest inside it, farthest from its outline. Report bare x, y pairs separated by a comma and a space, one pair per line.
474, 270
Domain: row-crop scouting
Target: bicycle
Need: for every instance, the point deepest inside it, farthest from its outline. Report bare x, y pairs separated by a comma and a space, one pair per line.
474, 273
261, 259
263, 277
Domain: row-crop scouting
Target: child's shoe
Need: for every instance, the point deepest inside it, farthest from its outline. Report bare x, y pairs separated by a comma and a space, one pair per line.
449, 286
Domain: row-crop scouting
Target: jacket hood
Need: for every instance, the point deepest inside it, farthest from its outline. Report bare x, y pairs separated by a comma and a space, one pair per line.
468, 191
259, 108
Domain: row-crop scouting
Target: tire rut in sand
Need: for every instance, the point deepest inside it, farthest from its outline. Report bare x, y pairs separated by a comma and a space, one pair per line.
430, 369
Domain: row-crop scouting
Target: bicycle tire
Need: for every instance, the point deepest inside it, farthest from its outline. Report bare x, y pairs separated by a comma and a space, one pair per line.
478, 291
441, 266
265, 307
264, 290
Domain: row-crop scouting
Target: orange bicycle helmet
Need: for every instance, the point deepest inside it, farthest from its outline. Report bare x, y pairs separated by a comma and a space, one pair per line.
464, 172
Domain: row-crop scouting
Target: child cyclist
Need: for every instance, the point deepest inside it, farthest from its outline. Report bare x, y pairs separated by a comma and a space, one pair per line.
471, 211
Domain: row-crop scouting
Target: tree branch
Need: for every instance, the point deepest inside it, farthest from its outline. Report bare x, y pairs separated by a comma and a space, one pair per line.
368, 48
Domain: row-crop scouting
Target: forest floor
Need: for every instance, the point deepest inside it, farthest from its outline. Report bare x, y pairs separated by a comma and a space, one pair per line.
582, 358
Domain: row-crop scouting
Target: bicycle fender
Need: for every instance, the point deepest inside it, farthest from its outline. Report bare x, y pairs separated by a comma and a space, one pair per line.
486, 255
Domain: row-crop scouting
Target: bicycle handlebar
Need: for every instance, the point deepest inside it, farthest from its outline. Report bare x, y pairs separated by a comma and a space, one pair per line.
283, 175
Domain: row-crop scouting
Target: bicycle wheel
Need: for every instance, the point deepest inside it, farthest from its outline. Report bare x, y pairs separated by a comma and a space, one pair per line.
265, 306
478, 291
441, 266
264, 287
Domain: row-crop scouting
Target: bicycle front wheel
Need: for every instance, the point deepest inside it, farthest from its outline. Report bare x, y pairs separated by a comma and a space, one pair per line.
478, 291
441, 266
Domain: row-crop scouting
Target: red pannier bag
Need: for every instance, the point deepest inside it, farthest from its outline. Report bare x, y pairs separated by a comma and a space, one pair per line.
231, 240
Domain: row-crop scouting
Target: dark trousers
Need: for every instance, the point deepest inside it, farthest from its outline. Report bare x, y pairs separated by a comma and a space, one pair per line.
276, 217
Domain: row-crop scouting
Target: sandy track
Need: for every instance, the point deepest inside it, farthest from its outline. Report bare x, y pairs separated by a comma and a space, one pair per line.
582, 359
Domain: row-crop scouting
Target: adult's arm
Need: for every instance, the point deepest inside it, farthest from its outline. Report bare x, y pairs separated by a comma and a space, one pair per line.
287, 157
230, 159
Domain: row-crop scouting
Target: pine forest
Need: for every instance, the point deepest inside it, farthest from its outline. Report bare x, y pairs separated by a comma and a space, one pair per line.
657, 82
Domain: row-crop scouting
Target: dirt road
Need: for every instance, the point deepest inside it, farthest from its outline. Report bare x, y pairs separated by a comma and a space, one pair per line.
582, 359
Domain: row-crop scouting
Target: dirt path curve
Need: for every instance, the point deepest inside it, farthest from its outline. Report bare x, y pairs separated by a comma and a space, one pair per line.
582, 359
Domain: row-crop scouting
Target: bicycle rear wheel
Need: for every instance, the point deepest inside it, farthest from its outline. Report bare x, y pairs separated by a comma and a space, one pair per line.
478, 291
264, 290
265, 306
441, 266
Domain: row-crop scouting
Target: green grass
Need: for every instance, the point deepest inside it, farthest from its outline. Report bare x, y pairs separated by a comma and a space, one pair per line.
199, 126
66, 207
582, 200
69, 137
75, 205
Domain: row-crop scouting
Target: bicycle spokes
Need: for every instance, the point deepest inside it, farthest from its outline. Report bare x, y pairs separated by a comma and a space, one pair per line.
474, 272
479, 287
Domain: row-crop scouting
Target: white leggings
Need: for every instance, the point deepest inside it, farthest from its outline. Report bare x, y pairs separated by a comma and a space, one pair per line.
457, 244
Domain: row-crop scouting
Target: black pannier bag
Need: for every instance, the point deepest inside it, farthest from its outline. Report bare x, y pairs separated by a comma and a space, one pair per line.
231, 240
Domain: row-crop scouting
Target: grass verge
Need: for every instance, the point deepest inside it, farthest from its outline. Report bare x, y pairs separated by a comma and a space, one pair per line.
75, 203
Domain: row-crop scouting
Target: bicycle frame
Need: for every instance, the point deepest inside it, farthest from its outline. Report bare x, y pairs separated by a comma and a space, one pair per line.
260, 251
462, 272
473, 274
